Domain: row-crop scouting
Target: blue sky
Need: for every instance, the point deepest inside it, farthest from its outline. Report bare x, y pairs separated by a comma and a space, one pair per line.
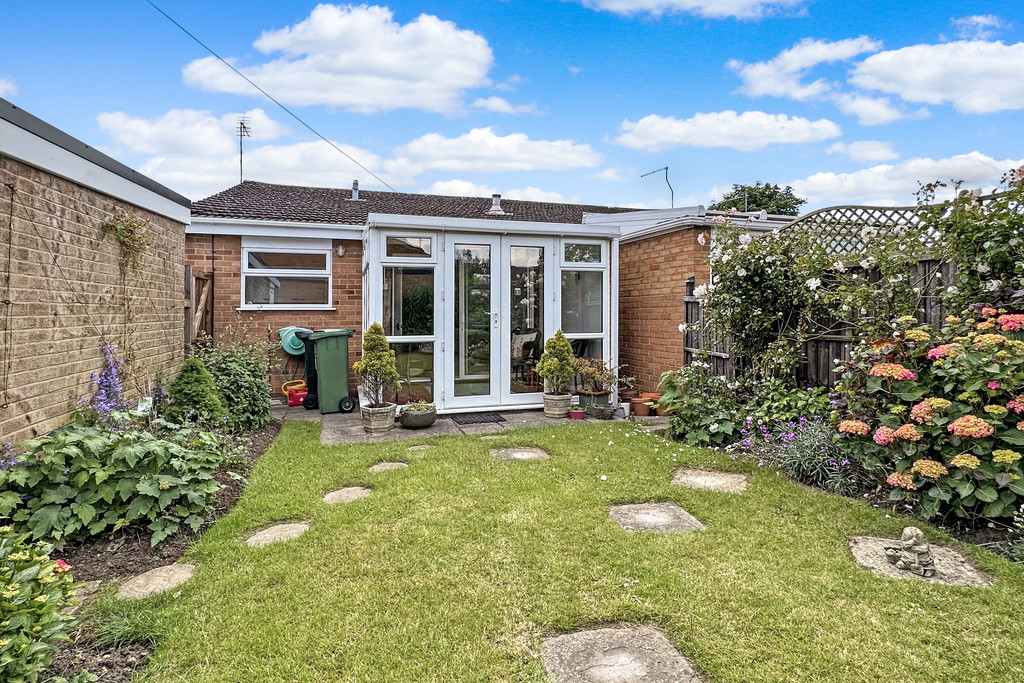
849, 102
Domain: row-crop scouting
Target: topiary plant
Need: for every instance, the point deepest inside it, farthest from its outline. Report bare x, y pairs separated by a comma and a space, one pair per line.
377, 367
556, 366
194, 396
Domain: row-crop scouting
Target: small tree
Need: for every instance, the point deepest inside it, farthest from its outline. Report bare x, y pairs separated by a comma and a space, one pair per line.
556, 366
194, 396
377, 367
760, 196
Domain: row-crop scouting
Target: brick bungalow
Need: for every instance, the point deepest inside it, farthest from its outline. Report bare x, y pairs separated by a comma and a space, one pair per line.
467, 289
65, 294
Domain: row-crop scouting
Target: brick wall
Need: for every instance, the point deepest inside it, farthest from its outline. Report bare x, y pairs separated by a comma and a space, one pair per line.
222, 256
652, 283
67, 298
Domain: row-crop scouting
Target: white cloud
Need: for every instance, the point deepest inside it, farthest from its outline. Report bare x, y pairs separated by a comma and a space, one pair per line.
510, 83
8, 87
740, 9
977, 77
875, 111
535, 194
865, 150
482, 150
978, 26
459, 188
191, 132
615, 175
360, 59
896, 183
781, 76
751, 130
575, 70
503, 106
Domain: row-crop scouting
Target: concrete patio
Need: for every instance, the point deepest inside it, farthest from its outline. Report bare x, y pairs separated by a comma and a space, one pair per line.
346, 428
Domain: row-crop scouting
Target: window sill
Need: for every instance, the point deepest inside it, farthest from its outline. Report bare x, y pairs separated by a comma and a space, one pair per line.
279, 307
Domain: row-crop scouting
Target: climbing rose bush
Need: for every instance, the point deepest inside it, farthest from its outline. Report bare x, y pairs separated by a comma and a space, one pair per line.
940, 418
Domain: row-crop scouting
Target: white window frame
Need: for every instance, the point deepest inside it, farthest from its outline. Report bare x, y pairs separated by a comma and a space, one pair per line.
583, 265
284, 246
407, 260
601, 266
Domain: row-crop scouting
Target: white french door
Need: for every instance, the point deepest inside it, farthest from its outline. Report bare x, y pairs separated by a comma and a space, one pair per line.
473, 321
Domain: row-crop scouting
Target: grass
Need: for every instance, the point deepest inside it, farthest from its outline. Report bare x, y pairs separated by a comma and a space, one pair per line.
457, 567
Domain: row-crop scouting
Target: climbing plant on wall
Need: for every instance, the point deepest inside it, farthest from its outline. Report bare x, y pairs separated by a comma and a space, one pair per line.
133, 239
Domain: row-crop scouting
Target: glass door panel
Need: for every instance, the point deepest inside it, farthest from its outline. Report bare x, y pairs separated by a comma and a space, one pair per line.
474, 320
526, 298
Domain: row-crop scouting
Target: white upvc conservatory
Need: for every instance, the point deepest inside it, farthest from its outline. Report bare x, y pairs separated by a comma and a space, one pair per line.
468, 303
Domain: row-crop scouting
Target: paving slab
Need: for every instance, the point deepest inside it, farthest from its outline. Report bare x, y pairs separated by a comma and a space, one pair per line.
276, 534
156, 581
951, 568
520, 453
615, 655
727, 482
348, 494
665, 517
387, 466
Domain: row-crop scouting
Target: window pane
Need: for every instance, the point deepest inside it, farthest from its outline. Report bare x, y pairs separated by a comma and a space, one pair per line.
408, 301
582, 301
415, 362
472, 320
286, 290
527, 297
408, 247
588, 348
582, 253
282, 260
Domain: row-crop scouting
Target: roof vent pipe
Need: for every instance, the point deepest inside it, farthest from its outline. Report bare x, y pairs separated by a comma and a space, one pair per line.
355, 190
495, 209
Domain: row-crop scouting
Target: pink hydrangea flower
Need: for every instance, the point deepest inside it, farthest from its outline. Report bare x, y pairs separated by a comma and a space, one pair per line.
884, 436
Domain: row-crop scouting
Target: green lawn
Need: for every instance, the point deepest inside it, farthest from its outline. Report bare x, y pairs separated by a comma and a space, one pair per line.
457, 567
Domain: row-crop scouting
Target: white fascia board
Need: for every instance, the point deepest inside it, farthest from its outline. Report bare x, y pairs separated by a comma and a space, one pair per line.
33, 150
696, 222
643, 217
251, 228
502, 227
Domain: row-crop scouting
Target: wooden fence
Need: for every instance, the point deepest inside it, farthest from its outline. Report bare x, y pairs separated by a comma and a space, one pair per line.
819, 354
198, 306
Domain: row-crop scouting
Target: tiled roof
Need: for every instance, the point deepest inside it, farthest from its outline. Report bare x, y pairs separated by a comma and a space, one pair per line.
262, 201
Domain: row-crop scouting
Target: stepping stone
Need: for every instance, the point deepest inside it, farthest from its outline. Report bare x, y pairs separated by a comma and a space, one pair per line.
155, 581
347, 494
712, 481
654, 517
615, 655
951, 568
520, 453
385, 466
276, 534
421, 447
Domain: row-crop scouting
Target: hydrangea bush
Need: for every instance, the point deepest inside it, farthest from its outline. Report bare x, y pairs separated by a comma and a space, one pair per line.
33, 592
941, 416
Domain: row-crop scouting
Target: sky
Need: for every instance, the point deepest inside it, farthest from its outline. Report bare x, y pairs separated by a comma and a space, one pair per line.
565, 100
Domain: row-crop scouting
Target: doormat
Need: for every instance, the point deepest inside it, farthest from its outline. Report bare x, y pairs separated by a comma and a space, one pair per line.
476, 418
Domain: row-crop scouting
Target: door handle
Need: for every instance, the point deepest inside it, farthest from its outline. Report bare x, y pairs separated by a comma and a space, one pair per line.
494, 315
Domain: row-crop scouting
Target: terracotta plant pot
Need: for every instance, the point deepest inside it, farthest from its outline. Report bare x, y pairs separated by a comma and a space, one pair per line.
638, 406
557, 405
378, 420
577, 413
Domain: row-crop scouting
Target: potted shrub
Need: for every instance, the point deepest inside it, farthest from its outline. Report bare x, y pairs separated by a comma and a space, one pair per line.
380, 381
592, 382
577, 412
418, 414
556, 368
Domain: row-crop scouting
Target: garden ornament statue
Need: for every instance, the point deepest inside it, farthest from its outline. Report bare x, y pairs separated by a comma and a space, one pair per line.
914, 553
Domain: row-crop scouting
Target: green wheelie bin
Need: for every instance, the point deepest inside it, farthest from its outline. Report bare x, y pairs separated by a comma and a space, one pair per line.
331, 350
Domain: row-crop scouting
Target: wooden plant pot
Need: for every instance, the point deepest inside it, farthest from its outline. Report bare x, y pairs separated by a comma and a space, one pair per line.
557, 405
377, 420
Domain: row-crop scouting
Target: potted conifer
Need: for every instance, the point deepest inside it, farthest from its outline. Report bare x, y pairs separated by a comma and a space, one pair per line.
557, 370
380, 381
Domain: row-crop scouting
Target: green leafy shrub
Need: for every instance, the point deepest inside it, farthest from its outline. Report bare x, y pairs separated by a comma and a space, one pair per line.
702, 406
774, 400
241, 374
194, 396
377, 367
79, 481
555, 365
942, 416
33, 591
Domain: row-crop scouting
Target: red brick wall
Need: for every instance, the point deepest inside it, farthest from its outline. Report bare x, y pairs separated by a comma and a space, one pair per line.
652, 283
222, 256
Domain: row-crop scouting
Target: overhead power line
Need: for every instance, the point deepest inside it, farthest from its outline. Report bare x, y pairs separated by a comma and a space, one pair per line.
269, 96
